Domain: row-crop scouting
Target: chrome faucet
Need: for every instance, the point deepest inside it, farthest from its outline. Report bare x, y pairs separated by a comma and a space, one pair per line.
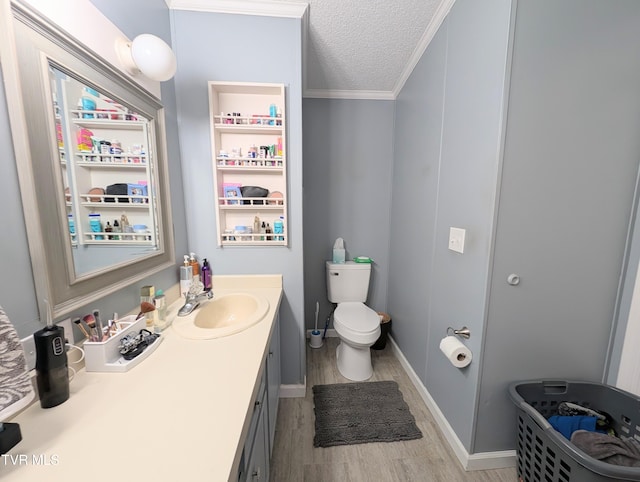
194, 296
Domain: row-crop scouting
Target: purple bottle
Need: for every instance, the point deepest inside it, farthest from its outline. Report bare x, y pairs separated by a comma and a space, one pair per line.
206, 275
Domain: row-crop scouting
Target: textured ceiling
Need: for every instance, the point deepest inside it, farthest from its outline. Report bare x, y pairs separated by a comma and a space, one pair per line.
354, 48
363, 45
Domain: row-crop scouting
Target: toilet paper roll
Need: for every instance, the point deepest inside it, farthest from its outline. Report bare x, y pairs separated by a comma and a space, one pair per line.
455, 351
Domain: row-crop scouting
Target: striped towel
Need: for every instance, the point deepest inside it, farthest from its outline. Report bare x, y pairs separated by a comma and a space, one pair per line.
16, 389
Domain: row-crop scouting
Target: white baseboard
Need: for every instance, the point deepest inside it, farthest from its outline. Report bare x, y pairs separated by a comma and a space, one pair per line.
469, 462
294, 391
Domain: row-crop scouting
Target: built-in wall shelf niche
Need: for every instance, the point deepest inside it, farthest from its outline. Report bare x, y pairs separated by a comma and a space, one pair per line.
248, 135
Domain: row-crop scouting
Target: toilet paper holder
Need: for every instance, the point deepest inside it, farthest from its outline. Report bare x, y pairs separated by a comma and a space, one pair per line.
463, 332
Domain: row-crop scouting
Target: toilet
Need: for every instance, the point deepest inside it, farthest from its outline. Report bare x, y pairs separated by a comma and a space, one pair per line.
357, 325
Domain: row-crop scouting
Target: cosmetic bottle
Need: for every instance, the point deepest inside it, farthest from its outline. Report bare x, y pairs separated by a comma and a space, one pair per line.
195, 267
268, 232
263, 230
186, 276
160, 302
96, 226
148, 293
108, 229
256, 228
206, 275
125, 227
116, 229
278, 228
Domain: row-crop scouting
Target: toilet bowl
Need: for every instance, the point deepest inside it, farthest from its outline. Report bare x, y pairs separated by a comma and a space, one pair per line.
358, 327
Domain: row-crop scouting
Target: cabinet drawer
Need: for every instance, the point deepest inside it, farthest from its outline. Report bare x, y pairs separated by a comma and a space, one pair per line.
259, 402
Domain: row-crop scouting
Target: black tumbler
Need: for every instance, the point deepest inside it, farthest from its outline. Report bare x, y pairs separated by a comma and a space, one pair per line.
52, 372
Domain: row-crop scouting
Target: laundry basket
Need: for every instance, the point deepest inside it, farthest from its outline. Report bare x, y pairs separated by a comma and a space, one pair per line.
544, 454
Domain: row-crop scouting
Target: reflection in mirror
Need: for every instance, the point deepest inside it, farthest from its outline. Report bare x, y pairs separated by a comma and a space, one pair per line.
107, 172
91, 158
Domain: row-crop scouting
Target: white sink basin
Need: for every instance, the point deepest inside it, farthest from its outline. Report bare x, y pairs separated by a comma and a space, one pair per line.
224, 315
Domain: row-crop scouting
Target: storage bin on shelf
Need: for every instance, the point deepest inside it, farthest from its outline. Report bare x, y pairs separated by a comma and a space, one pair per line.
544, 454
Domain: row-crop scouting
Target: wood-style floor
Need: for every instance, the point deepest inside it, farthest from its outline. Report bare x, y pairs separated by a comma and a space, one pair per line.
428, 459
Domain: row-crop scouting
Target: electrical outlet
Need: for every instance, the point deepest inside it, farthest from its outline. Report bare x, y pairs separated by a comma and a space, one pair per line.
29, 347
29, 344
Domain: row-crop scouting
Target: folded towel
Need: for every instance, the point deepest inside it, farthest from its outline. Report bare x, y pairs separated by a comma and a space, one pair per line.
16, 389
566, 425
613, 450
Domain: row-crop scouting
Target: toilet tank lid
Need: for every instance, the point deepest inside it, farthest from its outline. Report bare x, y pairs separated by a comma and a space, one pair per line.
348, 265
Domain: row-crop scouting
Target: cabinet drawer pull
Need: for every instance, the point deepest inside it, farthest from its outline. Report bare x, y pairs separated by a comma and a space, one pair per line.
256, 474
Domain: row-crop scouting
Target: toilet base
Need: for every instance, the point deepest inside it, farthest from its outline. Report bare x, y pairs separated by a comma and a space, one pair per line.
354, 363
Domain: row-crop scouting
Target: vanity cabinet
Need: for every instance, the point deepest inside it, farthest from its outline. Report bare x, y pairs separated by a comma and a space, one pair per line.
273, 382
258, 446
248, 135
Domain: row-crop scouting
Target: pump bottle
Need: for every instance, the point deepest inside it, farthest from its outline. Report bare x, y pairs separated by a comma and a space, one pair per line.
186, 276
195, 267
206, 275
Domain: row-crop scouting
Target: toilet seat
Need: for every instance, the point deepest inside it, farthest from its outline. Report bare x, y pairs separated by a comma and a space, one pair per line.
356, 322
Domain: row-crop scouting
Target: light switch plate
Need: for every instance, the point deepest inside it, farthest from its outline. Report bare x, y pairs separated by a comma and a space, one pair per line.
456, 239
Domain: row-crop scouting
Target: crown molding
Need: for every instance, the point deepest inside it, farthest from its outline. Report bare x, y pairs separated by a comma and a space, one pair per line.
349, 94
294, 9
425, 40
266, 8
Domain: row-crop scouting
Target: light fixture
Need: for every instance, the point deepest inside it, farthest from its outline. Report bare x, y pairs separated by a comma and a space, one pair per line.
149, 55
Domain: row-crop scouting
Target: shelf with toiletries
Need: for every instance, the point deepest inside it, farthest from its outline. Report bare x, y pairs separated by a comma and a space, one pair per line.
122, 120
109, 171
107, 161
249, 163
107, 168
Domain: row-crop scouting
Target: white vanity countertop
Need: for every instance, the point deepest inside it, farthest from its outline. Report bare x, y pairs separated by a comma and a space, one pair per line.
179, 415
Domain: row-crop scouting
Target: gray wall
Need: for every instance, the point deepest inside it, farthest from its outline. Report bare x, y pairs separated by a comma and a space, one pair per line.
546, 192
348, 159
569, 173
445, 174
17, 291
266, 49
416, 173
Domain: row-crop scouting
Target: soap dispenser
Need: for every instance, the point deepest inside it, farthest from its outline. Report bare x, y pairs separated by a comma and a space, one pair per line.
195, 267
186, 276
206, 275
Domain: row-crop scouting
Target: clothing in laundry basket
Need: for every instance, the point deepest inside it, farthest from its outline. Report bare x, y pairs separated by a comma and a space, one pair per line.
566, 425
623, 451
603, 422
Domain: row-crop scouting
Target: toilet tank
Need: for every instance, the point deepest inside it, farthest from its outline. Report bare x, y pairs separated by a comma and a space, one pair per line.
348, 281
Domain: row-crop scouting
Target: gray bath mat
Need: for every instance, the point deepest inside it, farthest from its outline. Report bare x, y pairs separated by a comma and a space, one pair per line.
356, 413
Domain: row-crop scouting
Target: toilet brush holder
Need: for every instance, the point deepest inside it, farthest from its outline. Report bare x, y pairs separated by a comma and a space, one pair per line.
316, 339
